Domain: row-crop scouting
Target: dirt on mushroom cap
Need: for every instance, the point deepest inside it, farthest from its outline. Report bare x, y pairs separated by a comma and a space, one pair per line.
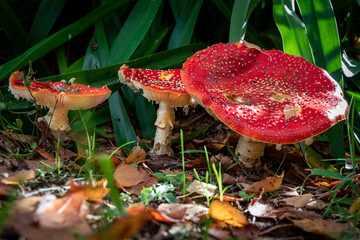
267, 96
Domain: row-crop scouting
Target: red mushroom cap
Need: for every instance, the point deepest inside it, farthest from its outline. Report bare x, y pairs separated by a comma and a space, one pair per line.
58, 94
267, 96
157, 85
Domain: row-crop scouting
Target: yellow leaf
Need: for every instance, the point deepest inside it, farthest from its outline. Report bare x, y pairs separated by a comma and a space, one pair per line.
223, 211
19, 177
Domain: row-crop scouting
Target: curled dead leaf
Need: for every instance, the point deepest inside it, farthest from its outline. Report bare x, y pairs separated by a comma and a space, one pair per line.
322, 227
137, 154
93, 191
266, 185
298, 201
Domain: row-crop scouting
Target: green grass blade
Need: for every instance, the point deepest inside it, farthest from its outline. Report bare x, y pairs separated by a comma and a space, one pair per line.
323, 36
177, 7
108, 75
46, 15
133, 31
240, 15
322, 32
102, 42
292, 29
11, 24
50, 43
185, 24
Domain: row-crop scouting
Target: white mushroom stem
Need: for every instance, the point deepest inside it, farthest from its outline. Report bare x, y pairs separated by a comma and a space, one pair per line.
249, 152
58, 120
164, 126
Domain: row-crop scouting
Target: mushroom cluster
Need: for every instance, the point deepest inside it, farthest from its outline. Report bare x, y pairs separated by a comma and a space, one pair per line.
164, 87
266, 96
59, 97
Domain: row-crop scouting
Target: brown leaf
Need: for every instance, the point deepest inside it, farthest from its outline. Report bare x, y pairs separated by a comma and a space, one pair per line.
45, 154
223, 211
127, 175
29, 225
73, 203
290, 212
137, 154
355, 206
147, 181
268, 184
19, 177
298, 201
124, 228
183, 212
322, 227
92, 190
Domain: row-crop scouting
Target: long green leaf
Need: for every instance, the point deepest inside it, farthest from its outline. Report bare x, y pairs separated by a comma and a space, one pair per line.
146, 118
239, 17
45, 17
323, 36
50, 43
185, 24
133, 31
322, 32
292, 29
108, 75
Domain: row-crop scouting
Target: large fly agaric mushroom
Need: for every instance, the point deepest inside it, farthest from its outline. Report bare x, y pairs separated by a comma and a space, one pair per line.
165, 88
266, 96
59, 97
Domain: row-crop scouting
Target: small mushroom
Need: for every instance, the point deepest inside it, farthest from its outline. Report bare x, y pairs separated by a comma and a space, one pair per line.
165, 88
59, 97
266, 96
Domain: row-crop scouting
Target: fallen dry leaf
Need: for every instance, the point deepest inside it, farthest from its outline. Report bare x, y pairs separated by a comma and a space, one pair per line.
290, 212
223, 211
92, 190
201, 188
355, 206
259, 209
298, 201
316, 204
124, 228
183, 212
322, 227
53, 226
158, 216
19, 177
268, 184
137, 154
45, 154
127, 175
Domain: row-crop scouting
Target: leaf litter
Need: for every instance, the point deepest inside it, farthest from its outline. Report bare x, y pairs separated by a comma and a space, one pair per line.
256, 203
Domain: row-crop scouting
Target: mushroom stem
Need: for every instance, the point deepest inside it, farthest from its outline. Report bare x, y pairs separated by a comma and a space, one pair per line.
58, 121
164, 126
249, 152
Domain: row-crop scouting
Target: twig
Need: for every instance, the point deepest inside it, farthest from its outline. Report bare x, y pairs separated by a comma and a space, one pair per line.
44, 190
274, 228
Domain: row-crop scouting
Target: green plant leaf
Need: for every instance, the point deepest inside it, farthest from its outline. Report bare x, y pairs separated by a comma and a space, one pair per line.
224, 6
50, 43
121, 122
322, 32
133, 31
46, 15
292, 29
239, 17
108, 75
185, 24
